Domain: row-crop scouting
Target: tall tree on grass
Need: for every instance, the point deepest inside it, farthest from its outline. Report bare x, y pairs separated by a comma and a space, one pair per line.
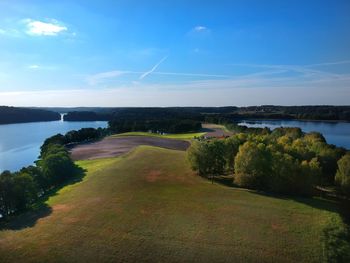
342, 177
17, 192
253, 165
231, 149
207, 157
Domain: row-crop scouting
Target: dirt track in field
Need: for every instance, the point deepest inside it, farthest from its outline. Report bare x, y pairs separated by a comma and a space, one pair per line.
116, 146
213, 130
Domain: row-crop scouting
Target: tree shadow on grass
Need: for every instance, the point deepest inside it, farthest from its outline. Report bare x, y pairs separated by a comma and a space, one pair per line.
336, 236
40, 209
319, 200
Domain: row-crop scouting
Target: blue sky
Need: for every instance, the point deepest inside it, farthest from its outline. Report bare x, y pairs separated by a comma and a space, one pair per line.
183, 53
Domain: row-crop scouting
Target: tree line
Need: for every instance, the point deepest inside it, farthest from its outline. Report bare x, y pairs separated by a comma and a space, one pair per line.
86, 116
20, 115
324, 112
20, 190
157, 120
282, 112
284, 160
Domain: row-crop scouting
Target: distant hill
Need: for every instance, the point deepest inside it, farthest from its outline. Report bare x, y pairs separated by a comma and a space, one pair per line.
19, 115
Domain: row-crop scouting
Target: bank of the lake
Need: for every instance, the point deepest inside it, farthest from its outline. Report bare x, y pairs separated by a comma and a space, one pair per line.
337, 133
20, 143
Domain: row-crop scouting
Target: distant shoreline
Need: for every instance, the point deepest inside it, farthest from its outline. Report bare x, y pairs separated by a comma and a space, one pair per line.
304, 120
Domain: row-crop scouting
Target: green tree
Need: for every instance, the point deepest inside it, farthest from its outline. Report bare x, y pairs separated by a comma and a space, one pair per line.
25, 191
252, 165
207, 157
7, 195
231, 149
342, 177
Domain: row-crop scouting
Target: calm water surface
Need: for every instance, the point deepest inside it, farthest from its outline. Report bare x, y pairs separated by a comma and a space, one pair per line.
337, 133
20, 143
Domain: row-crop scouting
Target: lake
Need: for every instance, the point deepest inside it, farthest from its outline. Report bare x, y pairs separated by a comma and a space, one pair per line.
337, 133
20, 143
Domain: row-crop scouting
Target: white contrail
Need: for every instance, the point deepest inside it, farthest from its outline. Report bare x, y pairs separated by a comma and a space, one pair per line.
192, 74
153, 69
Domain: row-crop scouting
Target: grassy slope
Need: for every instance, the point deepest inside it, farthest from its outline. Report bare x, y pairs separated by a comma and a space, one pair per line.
149, 206
215, 126
180, 136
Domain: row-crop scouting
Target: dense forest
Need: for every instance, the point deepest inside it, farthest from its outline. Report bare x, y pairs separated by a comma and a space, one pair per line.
284, 160
86, 116
157, 120
231, 113
19, 115
322, 112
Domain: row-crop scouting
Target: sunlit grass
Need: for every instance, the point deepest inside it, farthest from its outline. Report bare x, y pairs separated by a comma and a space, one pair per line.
149, 206
180, 136
215, 126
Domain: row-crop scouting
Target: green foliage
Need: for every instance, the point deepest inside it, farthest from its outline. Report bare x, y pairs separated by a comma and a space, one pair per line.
156, 120
20, 190
17, 192
71, 137
208, 157
253, 165
336, 244
284, 161
56, 165
231, 149
343, 174
18, 115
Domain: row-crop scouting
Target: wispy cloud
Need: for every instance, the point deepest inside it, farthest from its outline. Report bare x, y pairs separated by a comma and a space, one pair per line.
34, 66
153, 69
103, 76
264, 76
271, 85
329, 63
40, 28
10, 32
200, 28
191, 74
99, 77
304, 70
149, 95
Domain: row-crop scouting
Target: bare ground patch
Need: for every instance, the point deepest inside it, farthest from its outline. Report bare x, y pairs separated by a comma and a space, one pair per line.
153, 176
116, 146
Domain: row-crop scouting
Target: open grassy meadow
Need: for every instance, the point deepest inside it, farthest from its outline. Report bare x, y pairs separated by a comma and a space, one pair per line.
149, 206
179, 136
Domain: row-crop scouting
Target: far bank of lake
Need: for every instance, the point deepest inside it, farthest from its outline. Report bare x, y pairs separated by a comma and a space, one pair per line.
337, 133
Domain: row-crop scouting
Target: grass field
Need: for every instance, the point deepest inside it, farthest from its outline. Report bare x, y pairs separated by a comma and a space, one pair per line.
149, 206
180, 136
214, 126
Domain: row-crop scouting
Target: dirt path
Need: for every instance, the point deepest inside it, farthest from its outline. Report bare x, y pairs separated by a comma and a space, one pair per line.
111, 147
213, 130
